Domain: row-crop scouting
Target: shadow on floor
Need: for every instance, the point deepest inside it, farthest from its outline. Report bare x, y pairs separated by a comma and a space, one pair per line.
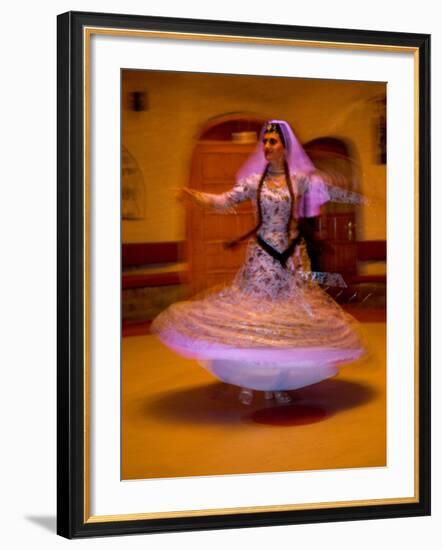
49, 523
218, 403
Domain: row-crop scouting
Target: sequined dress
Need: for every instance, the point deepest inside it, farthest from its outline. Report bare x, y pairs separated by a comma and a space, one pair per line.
271, 329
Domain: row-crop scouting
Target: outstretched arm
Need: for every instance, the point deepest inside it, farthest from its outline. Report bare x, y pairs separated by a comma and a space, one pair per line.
222, 202
315, 191
337, 194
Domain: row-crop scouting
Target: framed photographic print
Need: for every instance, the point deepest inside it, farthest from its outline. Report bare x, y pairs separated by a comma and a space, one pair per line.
243, 274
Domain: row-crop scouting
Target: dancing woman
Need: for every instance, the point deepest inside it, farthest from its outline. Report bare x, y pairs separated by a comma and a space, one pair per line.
272, 329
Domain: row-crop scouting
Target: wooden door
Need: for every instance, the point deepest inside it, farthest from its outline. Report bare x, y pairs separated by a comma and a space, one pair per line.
214, 166
339, 247
337, 225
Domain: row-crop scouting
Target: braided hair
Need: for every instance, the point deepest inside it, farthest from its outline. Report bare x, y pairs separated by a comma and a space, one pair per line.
254, 230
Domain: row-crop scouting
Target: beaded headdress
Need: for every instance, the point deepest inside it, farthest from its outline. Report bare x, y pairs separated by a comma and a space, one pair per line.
297, 161
296, 157
272, 127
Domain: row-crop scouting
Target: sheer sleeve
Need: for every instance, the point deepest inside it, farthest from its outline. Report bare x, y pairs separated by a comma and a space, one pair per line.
337, 194
243, 190
313, 193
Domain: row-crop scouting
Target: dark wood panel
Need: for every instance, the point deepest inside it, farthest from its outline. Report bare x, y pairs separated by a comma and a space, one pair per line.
135, 254
151, 279
374, 251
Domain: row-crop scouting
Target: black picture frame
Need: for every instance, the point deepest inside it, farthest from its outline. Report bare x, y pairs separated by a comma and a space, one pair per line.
73, 520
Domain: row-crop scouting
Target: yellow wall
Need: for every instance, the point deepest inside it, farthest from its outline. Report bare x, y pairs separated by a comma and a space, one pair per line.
162, 137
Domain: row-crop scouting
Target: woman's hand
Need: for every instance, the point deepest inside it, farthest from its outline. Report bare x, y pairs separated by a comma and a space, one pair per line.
182, 194
190, 196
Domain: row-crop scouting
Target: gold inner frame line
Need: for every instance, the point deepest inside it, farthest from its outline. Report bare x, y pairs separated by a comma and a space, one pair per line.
87, 34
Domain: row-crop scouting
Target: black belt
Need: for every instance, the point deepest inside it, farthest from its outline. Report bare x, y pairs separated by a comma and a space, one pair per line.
281, 257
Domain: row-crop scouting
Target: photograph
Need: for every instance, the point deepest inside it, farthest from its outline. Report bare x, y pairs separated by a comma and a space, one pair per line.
221, 298
243, 274
253, 216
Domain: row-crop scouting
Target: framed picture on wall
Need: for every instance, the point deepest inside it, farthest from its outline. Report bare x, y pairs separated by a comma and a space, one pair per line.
243, 274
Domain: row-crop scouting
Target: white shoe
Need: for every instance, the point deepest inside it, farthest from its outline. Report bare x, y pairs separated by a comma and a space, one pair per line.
245, 396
